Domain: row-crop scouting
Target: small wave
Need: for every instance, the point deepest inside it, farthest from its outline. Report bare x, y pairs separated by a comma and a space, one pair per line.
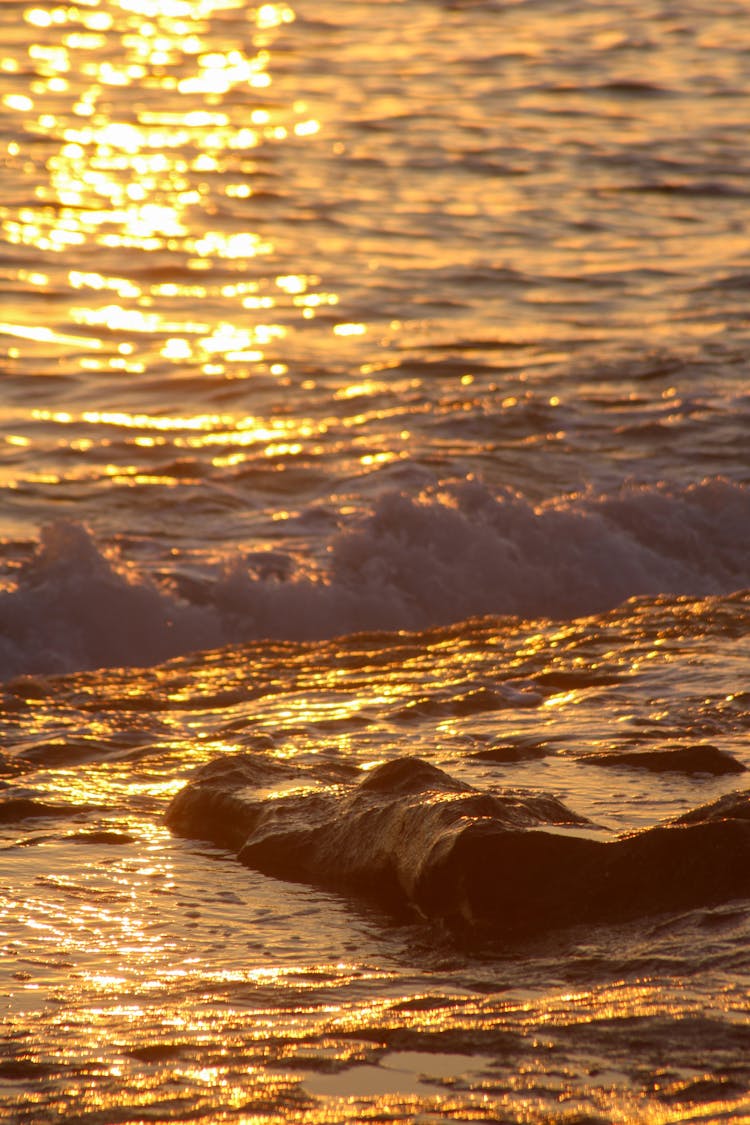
500, 864
413, 563
17, 807
677, 759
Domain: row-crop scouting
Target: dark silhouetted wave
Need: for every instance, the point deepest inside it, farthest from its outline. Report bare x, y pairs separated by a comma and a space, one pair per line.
503, 865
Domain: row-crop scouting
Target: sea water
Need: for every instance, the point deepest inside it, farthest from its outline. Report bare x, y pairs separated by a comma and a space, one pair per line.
375, 468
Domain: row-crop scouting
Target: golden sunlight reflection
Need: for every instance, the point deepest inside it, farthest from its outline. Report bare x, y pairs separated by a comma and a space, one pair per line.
153, 160
219, 984
229, 435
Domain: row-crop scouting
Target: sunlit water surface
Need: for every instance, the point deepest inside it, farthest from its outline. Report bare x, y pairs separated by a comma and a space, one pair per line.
375, 385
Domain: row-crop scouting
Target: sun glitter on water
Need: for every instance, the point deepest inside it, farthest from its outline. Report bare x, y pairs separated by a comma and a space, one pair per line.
166, 119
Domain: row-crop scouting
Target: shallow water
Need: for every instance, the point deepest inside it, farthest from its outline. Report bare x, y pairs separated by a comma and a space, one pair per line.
374, 388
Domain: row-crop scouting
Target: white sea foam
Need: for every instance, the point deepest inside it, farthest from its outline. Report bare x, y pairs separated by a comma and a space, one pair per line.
411, 563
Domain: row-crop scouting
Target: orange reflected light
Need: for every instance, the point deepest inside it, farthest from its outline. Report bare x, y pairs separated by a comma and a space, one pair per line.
133, 174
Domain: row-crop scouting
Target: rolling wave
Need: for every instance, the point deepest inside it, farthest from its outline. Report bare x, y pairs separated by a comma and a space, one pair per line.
411, 563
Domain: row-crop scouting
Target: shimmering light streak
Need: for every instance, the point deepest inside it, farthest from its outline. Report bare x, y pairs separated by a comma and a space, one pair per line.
46, 335
161, 108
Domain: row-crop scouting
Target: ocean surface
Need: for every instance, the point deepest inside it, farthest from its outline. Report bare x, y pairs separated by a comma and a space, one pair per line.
374, 561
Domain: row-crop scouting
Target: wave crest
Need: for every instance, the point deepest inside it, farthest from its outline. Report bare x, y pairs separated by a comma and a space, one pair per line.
414, 562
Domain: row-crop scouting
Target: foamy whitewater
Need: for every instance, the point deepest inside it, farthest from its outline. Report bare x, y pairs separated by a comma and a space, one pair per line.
374, 562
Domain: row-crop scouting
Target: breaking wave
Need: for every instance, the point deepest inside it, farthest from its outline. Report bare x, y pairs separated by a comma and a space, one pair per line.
411, 564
